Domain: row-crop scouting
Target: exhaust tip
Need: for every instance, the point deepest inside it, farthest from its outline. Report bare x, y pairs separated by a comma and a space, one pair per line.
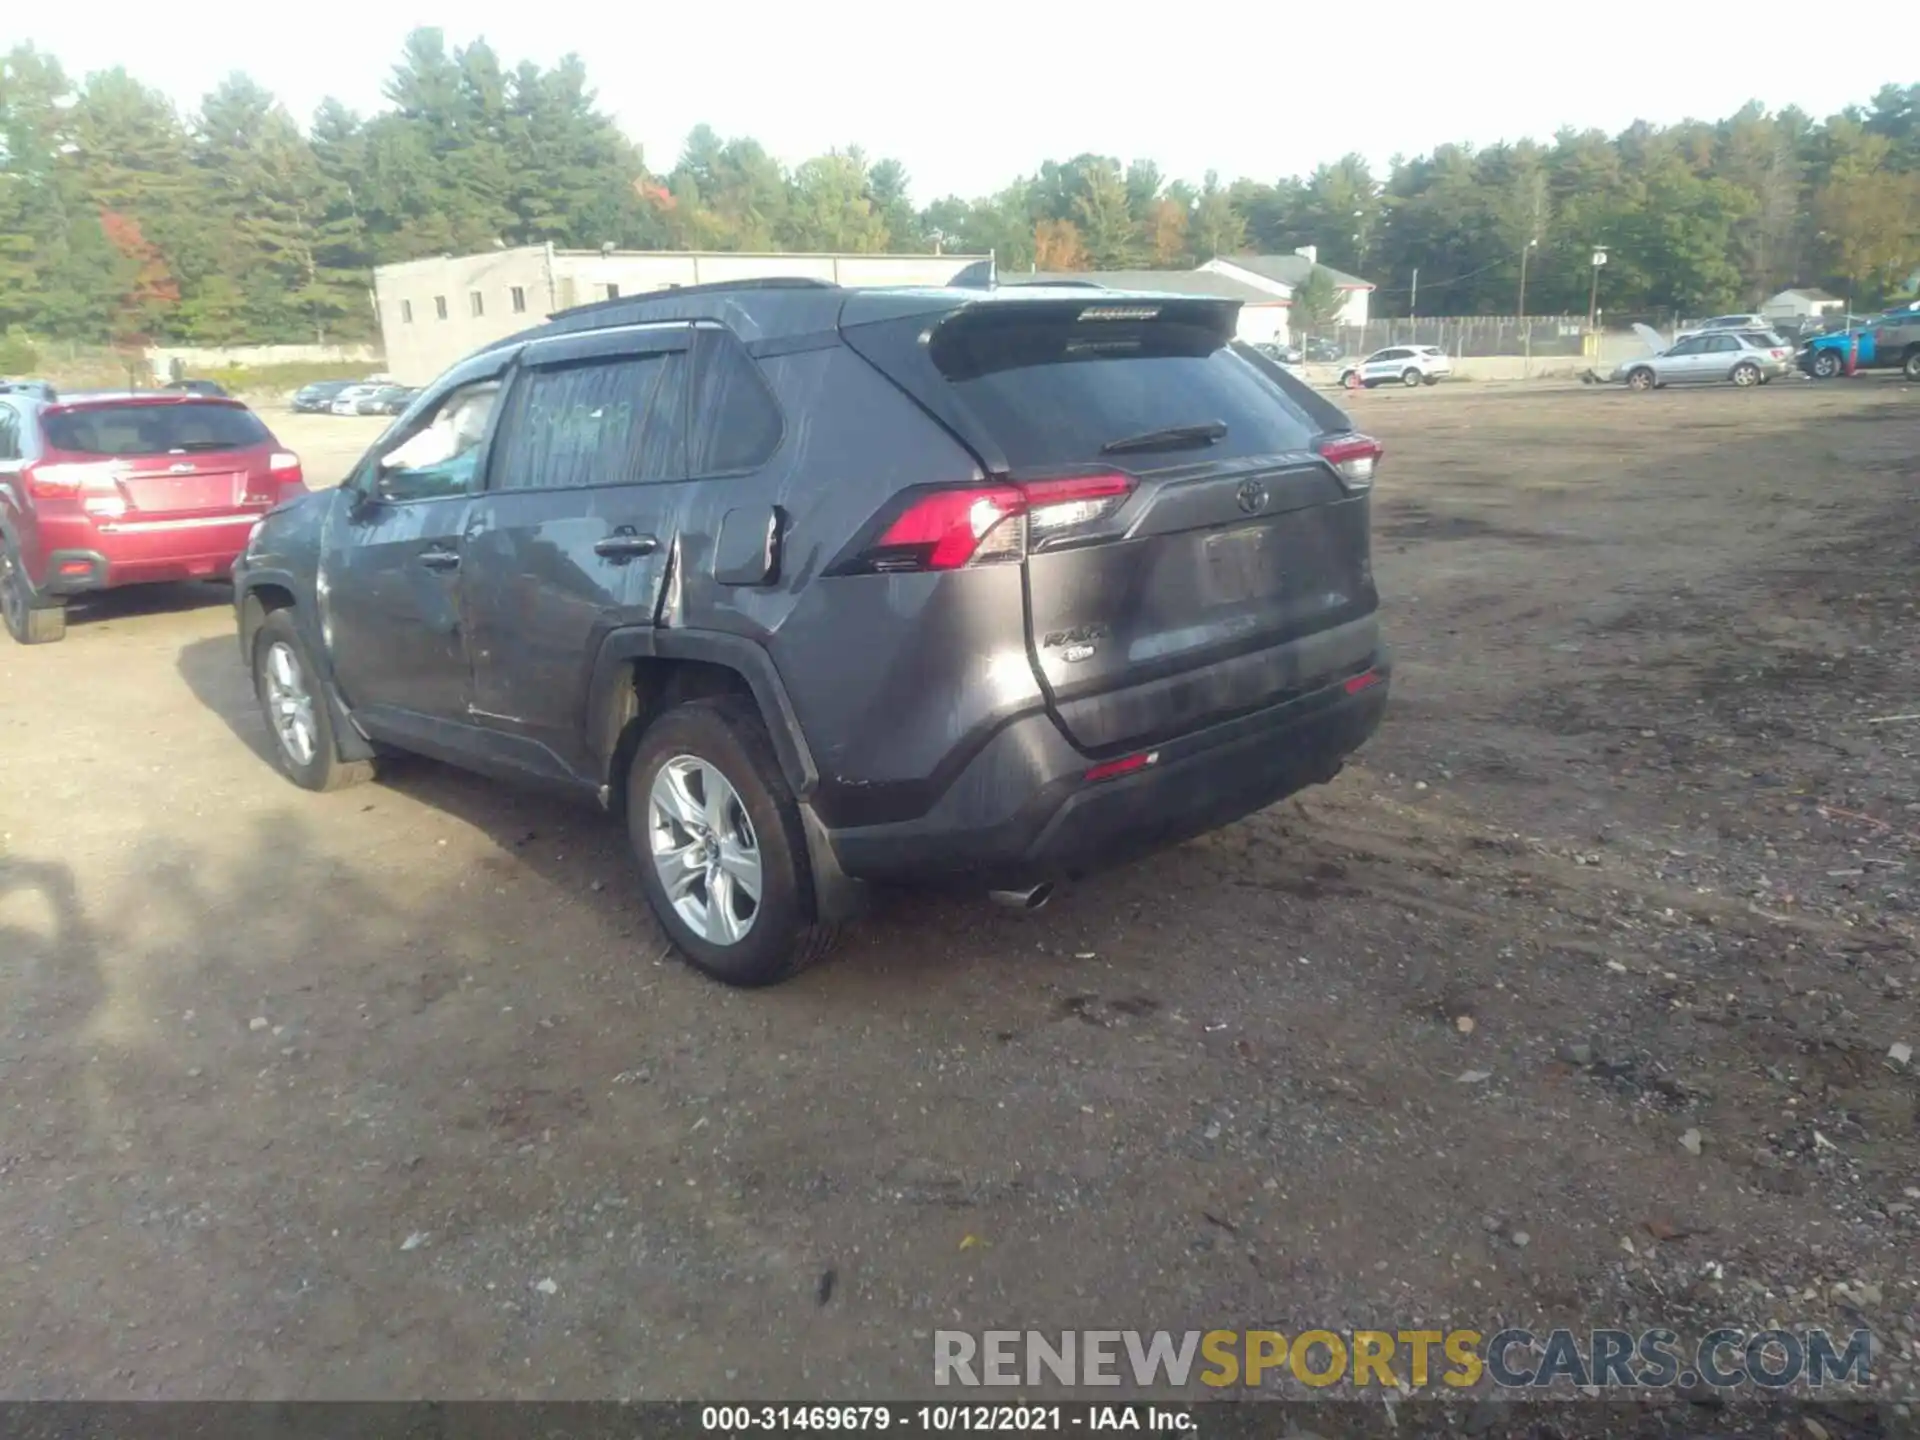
1031, 899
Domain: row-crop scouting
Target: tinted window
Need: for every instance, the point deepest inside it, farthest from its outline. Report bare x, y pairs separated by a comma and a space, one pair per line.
1720, 344
736, 424
1054, 390
154, 429
1693, 345
9, 433
602, 422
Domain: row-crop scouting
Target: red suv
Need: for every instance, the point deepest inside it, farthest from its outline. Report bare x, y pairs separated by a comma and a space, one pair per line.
100, 491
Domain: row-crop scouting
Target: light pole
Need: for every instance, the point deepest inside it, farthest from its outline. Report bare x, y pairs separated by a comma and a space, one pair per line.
1520, 318
1593, 299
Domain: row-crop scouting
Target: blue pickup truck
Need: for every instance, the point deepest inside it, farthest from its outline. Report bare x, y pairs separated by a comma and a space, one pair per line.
1887, 342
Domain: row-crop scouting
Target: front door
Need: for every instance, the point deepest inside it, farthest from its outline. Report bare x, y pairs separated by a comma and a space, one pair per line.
390, 568
570, 536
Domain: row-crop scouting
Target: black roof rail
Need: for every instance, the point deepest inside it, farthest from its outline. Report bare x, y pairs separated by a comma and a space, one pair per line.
717, 287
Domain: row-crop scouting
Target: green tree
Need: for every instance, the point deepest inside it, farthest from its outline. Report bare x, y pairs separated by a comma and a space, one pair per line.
1316, 303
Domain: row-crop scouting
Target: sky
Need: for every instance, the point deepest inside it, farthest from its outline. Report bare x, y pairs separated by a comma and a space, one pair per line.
969, 96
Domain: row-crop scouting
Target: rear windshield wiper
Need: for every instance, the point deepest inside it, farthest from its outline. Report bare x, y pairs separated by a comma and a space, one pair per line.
1171, 437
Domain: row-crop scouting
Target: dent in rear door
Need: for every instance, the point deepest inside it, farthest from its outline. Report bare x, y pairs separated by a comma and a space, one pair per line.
570, 538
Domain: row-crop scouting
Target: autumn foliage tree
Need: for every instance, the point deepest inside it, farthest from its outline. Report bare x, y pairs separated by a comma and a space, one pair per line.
147, 291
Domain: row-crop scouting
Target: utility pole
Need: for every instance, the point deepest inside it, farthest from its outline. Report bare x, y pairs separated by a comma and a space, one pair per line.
1526, 363
1413, 298
1593, 300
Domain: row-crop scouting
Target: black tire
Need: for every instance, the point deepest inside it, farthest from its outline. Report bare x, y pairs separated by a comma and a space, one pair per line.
1350, 380
1746, 375
1429, 379
1827, 364
1911, 369
783, 936
323, 769
1410, 377
1641, 379
29, 619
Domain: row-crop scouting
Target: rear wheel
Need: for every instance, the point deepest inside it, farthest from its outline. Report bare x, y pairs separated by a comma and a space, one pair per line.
1745, 375
1350, 380
1911, 369
1640, 379
723, 855
1410, 377
1826, 365
294, 701
28, 619
1430, 379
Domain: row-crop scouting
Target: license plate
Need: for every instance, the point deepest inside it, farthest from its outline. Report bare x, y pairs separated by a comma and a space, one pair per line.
1239, 564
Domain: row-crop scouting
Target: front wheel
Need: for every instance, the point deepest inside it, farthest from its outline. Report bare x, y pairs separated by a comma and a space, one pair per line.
293, 700
723, 855
1911, 369
28, 621
1826, 365
1640, 380
1410, 377
1745, 375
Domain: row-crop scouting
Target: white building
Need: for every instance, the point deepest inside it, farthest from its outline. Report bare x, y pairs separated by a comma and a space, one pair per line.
1263, 315
433, 312
1283, 274
1805, 303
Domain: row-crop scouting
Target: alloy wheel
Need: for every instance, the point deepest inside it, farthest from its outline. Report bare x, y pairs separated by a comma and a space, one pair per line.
704, 849
290, 704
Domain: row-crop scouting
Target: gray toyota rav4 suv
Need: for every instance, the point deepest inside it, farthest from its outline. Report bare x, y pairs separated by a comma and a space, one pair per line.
818, 587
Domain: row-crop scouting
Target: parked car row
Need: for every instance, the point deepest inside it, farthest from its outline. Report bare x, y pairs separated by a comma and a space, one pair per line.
353, 397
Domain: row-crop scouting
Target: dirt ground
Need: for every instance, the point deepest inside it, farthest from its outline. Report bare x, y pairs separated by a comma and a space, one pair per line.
395, 1093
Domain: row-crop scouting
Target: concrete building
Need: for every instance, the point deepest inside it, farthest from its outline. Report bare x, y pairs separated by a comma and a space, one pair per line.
1282, 274
1263, 314
433, 312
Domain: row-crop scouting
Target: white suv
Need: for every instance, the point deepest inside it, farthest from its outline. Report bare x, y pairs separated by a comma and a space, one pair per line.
1408, 365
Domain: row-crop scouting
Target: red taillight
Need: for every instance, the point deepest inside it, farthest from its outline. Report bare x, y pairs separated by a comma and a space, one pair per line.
66, 482
984, 524
283, 468
1364, 681
1353, 457
1127, 766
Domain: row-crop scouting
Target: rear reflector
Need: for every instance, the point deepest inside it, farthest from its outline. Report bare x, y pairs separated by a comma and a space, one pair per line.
1362, 682
75, 567
1124, 767
1353, 457
987, 524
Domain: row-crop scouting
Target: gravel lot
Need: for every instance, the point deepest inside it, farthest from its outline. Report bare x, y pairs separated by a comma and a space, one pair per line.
312, 1096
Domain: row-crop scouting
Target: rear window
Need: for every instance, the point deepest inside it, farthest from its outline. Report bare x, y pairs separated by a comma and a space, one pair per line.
1054, 390
154, 429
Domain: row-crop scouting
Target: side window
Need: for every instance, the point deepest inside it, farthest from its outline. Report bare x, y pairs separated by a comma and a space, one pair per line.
1724, 343
736, 421
9, 433
439, 456
1692, 345
617, 421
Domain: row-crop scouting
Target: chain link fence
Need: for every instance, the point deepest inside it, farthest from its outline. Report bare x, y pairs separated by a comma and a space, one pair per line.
1460, 336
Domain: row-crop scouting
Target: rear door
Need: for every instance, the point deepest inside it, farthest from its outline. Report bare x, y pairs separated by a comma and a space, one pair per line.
1228, 565
571, 535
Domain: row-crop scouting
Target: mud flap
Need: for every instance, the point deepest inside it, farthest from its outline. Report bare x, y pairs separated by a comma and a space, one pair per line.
837, 896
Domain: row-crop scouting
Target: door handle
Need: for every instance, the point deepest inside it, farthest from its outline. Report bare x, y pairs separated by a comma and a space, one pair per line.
439, 558
625, 544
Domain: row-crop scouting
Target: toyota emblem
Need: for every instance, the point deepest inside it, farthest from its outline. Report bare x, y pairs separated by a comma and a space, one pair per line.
1252, 497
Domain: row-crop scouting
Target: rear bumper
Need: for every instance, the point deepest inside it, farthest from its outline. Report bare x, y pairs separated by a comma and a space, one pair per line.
1073, 826
109, 558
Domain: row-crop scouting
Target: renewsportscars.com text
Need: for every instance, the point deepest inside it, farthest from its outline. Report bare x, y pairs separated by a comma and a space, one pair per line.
1400, 1359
